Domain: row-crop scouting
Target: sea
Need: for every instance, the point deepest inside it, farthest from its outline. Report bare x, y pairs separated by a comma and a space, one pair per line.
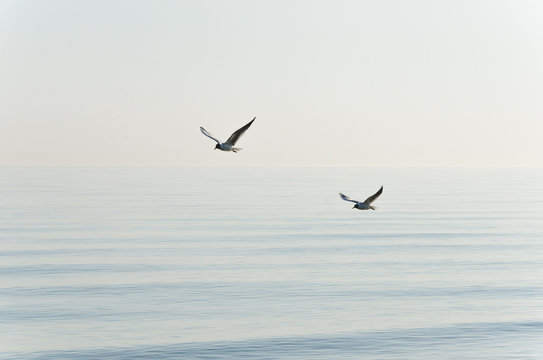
269, 263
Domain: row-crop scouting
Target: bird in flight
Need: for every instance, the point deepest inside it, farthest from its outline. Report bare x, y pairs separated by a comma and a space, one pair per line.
228, 145
366, 205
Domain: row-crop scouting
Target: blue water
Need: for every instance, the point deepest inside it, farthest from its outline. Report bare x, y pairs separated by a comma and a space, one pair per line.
269, 263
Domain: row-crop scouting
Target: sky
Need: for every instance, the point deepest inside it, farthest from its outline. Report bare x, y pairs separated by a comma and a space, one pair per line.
331, 83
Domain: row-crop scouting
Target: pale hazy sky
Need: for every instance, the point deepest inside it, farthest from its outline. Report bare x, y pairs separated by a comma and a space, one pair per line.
363, 83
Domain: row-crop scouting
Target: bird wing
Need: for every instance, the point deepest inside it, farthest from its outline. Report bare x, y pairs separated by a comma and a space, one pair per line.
209, 135
237, 134
374, 196
346, 198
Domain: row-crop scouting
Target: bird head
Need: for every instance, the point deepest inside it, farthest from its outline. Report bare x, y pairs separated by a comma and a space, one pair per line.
217, 147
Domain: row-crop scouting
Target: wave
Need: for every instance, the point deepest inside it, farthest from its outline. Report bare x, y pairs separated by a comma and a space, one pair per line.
504, 340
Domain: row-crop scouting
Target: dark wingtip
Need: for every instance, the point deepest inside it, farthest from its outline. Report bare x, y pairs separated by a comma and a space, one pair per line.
248, 124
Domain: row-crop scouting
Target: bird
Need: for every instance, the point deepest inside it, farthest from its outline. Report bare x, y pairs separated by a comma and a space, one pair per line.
228, 145
366, 205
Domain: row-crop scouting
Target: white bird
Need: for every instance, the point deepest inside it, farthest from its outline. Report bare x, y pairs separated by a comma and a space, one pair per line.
366, 205
228, 145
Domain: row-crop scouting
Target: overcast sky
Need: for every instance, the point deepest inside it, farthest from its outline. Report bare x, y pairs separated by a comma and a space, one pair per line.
354, 83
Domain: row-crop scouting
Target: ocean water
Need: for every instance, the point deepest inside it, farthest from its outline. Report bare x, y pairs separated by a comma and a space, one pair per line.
269, 263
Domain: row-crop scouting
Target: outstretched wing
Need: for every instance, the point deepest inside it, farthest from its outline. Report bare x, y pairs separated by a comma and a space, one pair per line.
346, 198
237, 134
209, 135
374, 196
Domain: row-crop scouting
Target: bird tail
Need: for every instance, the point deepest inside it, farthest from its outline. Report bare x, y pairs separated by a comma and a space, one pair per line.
236, 149
373, 207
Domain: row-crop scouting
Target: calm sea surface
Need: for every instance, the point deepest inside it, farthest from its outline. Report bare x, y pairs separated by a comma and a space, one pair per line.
269, 263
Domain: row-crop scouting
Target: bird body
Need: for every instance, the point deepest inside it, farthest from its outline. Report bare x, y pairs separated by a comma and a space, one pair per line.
228, 145
363, 205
